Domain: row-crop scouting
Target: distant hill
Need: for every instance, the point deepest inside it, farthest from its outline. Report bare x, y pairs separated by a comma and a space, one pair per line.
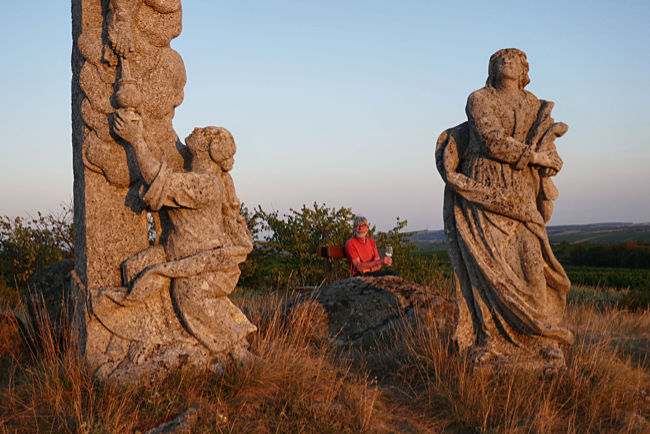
611, 232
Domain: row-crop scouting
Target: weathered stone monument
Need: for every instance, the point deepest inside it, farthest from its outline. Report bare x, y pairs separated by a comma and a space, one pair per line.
145, 307
511, 290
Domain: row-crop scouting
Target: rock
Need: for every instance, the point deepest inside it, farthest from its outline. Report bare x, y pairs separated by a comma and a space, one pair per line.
11, 331
49, 307
359, 309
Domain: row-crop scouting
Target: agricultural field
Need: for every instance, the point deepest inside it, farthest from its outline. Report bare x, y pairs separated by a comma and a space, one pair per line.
593, 233
609, 255
600, 233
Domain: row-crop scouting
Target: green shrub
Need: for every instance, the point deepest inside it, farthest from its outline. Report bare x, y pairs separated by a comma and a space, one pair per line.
285, 246
28, 244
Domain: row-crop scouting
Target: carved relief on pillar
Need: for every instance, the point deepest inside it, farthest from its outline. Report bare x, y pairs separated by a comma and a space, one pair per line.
128, 64
144, 308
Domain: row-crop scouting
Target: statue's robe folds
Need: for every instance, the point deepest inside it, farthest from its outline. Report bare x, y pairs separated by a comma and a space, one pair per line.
511, 290
186, 281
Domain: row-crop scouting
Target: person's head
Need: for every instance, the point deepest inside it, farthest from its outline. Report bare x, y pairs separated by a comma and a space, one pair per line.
503, 61
212, 144
360, 227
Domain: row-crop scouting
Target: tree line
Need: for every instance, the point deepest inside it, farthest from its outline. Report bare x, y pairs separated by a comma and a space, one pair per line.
284, 253
285, 246
628, 254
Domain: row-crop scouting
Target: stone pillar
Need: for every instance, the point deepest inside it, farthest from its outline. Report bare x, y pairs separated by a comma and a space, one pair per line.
143, 310
118, 46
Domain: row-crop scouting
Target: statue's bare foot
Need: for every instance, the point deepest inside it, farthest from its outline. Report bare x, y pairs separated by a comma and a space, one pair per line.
553, 359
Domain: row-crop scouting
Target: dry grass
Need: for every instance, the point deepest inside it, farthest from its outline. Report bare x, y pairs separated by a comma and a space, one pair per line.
605, 387
416, 383
293, 386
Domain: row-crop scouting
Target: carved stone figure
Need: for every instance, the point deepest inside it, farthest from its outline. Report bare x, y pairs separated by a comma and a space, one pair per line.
511, 290
193, 270
121, 61
144, 309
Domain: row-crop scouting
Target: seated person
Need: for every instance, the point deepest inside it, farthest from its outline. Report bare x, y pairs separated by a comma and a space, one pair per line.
362, 254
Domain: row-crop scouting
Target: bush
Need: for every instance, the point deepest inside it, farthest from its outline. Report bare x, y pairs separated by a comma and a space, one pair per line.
285, 246
28, 244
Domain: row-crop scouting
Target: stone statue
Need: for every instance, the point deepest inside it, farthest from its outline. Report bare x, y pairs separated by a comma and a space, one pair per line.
195, 268
511, 290
142, 308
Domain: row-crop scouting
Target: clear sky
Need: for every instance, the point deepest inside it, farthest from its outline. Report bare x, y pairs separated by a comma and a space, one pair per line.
341, 102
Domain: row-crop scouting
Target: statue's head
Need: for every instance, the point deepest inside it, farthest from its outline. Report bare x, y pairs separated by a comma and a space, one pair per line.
214, 143
497, 61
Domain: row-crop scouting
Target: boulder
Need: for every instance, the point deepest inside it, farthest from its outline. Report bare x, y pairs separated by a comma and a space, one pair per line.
360, 309
11, 332
49, 306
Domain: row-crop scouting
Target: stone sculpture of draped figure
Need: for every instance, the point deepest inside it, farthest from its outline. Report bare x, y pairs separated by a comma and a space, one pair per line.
511, 290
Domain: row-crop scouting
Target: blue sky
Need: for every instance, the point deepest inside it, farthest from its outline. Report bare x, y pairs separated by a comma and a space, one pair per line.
341, 102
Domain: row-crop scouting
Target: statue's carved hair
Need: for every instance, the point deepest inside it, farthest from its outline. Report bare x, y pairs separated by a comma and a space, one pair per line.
493, 69
216, 140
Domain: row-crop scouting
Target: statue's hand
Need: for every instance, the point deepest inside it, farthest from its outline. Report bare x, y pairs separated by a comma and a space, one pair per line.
549, 159
547, 171
164, 6
120, 36
129, 129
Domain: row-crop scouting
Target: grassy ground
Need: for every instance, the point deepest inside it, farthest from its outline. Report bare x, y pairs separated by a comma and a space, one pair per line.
415, 383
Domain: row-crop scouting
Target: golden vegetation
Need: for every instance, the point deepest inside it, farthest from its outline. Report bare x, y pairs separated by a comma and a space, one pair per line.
415, 382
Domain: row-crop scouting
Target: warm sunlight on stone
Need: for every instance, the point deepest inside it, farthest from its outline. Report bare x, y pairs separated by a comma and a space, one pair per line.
511, 290
145, 306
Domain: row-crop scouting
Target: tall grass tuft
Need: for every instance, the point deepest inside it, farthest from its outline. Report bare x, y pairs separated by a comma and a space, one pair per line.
298, 383
290, 386
604, 387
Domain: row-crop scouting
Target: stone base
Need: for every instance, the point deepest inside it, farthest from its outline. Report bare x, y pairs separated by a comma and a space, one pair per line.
150, 341
138, 362
548, 358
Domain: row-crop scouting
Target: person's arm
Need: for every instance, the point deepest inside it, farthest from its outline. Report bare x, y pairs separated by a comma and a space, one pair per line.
373, 265
131, 131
